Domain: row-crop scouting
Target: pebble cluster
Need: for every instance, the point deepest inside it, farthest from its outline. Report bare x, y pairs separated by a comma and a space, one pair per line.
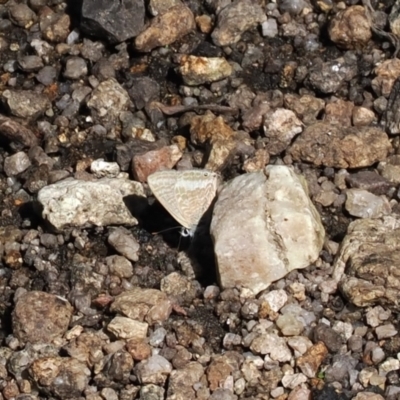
97, 96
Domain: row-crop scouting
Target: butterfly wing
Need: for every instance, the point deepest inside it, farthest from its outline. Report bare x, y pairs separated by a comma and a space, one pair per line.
194, 191
162, 184
186, 195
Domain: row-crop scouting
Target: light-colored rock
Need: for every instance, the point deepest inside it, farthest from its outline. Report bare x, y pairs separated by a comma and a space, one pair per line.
86, 203
155, 369
280, 127
126, 328
199, 70
101, 169
235, 19
123, 241
149, 305
263, 228
386, 74
364, 204
273, 345
181, 381
108, 100
165, 29
16, 163
291, 381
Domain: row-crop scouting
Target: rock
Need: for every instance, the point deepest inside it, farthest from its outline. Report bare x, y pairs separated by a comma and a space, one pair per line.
340, 147
332, 340
22, 15
390, 169
123, 241
148, 305
55, 27
158, 7
143, 91
306, 107
386, 74
264, 228
273, 345
331, 75
368, 260
155, 369
369, 180
40, 317
339, 112
26, 104
385, 331
181, 381
363, 116
143, 165
15, 132
363, 204
127, 328
312, 359
75, 68
293, 380
16, 163
115, 22
62, 377
165, 29
368, 396
214, 130
280, 127
81, 203
198, 70
101, 169
30, 63
235, 19
108, 100
221, 367
350, 28
119, 266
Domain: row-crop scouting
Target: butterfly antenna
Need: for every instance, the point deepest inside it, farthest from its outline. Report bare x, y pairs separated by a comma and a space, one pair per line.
165, 230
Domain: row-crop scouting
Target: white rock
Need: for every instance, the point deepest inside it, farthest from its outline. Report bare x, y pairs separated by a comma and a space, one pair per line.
364, 204
153, 370
276, 299
85, 203
263, 228
101, 168
291, 381
273, 345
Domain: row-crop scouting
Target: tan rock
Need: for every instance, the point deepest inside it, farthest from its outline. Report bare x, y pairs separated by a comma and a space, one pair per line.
199, 70
165, 29
350, 28
126, 328
340, 147
386, 73
362, 116
310, 362
339, 112
143, 165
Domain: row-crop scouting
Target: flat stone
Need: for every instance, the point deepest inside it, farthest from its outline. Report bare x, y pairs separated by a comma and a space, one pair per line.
363, 204
86, 203
127, 328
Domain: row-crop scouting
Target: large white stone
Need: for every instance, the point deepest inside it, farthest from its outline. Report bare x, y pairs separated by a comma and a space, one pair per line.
73, 203
264, 225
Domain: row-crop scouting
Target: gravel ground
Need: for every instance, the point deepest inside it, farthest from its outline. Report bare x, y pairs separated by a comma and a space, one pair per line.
289, 288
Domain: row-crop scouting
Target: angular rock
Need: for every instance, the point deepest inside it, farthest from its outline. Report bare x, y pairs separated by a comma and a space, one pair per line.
62, 377
149, 305
363, 204
165, 29
385, 75
113, 21
235, 19
15, 132
16, 163
83, 203
340, 147
127, 328
26, 103
368, 262
255, 228
40, 317
55, 27
181, 381
199, 70
108, 100
123, 241
155, 369
369, 180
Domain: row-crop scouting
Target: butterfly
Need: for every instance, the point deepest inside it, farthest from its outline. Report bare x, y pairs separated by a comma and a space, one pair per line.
186, 195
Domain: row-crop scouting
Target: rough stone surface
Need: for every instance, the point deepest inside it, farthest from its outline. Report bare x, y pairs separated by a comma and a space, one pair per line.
265, 222
81, 203
339, 147
40, 317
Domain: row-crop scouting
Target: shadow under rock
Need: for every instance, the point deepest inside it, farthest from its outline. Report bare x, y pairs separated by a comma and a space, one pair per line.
199, 248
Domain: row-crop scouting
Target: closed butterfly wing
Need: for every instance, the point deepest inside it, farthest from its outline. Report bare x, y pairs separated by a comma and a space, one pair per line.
186, 195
